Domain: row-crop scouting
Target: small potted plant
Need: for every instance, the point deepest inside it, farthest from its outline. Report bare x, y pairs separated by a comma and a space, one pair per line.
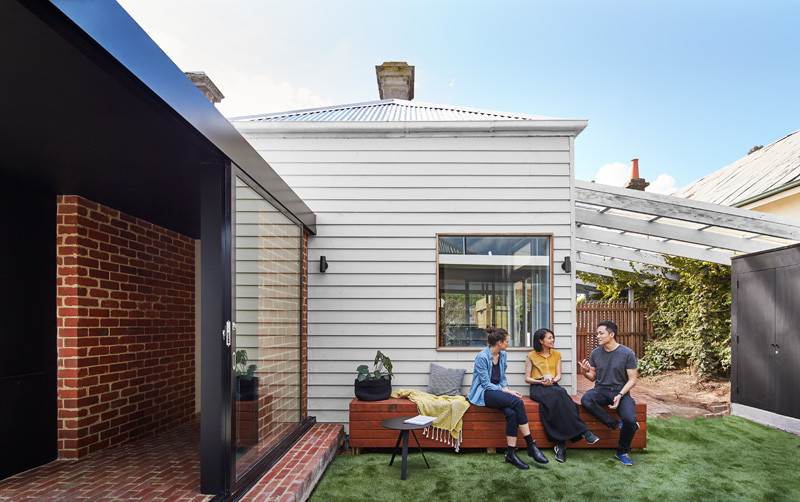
246, 379
376, 384
246, 401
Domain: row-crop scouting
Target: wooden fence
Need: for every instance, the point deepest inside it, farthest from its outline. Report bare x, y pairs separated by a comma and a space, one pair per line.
632, 320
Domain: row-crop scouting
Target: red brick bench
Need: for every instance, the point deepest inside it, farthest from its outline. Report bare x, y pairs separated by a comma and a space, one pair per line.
483, 427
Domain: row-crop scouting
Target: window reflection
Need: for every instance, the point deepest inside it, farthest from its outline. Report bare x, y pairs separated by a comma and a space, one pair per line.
501, 281
268, 335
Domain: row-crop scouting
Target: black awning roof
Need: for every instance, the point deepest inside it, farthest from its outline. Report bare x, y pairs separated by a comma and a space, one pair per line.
92, 107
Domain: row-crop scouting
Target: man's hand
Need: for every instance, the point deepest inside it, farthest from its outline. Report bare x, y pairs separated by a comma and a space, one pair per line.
589, 372
614, 405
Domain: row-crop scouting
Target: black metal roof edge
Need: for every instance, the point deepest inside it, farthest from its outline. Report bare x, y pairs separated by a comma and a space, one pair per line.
109, 27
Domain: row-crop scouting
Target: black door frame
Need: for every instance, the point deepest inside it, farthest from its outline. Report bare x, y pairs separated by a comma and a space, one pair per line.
216, 310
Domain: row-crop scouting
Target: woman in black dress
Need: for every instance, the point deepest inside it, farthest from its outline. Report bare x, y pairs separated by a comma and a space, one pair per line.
558, 411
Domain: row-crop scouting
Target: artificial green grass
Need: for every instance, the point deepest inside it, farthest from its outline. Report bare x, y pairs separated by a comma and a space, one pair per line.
726, 458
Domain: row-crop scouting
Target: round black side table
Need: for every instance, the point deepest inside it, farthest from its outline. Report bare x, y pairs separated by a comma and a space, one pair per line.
398, 424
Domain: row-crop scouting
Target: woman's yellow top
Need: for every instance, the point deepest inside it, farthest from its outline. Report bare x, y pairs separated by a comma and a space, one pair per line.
544, 365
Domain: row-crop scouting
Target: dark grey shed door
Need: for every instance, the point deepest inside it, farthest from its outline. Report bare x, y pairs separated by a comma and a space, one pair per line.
787, 341
766, 331
753, 338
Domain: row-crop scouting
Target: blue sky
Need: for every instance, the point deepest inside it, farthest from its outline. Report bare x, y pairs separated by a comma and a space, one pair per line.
686, 87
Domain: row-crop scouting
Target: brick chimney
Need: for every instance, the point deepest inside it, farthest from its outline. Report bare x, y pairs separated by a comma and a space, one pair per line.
205, 85
636, 183
395, 80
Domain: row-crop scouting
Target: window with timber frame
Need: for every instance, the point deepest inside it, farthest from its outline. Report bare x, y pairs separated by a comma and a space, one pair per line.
492, 280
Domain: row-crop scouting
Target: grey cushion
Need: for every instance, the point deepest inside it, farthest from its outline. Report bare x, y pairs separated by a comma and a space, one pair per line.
445, 381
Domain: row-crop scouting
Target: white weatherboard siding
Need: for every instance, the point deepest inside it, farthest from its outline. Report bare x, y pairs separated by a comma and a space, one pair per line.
380, 200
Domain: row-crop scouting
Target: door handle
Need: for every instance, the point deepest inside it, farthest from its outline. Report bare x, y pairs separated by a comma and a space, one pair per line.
226, 333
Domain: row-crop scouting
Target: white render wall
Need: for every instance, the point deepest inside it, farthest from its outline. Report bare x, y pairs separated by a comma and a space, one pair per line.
380, 198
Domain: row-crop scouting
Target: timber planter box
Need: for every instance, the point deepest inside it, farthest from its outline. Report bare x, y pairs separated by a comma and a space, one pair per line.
483, 427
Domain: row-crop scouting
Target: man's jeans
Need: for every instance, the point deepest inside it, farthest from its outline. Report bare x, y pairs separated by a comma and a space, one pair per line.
595, 400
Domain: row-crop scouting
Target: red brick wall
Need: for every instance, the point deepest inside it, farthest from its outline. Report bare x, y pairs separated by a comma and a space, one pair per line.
125, 327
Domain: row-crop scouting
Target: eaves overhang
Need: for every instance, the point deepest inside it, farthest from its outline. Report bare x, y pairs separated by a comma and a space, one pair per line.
116, 40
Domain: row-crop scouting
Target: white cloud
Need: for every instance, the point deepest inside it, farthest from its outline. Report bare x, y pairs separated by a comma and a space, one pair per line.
254, 94
617, 173
663, 184
172, 46
452, 82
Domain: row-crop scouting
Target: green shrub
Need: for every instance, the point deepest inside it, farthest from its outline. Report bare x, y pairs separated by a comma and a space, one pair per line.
690, 309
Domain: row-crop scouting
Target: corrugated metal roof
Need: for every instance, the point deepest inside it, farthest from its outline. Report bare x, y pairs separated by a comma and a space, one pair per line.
387, 110
772, 167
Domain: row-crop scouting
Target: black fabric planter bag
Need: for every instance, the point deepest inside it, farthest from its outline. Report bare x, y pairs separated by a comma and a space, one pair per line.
246, 390
373, 390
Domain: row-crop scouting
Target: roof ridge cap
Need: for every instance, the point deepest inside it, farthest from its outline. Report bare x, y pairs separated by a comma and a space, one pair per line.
304, 111
478, 113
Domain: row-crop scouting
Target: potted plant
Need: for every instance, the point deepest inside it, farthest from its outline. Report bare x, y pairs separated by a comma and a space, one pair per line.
246, 379
374, 385
246, 400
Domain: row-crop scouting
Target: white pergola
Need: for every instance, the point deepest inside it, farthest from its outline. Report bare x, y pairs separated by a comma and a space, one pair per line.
617, 226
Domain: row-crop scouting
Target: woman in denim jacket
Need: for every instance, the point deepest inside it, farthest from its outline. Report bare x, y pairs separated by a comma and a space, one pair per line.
490, 388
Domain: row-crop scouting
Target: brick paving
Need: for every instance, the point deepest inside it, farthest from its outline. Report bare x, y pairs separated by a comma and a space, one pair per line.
293, 478
166, 467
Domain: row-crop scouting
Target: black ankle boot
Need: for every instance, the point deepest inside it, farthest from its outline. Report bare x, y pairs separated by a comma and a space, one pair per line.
513, 459
535, 454
561, 452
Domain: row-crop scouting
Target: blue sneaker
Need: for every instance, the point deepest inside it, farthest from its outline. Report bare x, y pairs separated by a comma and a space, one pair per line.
624, 458
590, 437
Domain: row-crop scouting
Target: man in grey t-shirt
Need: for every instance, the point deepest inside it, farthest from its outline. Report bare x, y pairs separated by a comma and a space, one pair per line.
612, 367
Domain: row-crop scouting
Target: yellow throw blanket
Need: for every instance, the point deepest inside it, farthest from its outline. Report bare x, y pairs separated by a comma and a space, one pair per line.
448, 410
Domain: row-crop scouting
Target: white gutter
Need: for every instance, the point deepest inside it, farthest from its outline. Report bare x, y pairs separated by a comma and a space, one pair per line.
545, 127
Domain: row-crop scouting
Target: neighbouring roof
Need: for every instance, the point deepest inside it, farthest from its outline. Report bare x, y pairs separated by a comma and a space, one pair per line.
769, 170
387, 110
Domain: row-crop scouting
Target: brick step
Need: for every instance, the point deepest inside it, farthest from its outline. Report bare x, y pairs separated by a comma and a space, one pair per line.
297, 472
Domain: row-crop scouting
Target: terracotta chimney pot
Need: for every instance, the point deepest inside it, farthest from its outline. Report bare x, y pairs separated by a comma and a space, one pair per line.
636, 183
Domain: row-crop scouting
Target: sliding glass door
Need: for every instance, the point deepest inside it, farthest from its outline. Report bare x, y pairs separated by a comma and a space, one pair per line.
267, 364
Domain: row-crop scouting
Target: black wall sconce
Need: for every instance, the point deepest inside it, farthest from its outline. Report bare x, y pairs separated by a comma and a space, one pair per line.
323, 264
567, 265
